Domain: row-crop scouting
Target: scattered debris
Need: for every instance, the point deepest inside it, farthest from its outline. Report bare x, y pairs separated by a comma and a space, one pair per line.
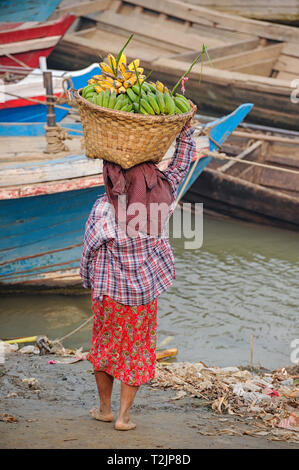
7, 347
271, 399
31, 382
7, 418
30, 349
12, 395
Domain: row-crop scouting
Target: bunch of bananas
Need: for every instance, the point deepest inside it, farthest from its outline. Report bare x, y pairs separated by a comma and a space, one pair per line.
117, 77
153, 99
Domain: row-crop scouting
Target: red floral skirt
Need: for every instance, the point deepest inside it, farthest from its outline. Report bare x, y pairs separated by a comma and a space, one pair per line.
124, 340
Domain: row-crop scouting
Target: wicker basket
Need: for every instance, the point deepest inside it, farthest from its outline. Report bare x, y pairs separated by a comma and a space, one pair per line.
127, 138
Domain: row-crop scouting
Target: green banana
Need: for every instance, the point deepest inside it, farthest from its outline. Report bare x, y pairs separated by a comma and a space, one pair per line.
185, 100
136, 107
169, 104
146, 87
177, 110
160, 101
181, 104
127, 107
99, 100
132, 96
106, 98
126, 99
151, 98
136, 89
119, 102
152, 87
90, 95
143, 111
86, 89
112, 100
145, 104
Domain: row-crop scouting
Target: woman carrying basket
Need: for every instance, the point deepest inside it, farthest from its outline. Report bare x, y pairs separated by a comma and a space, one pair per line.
128, 271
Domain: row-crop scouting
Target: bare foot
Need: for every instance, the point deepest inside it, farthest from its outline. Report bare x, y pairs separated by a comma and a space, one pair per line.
121, 425
96, 414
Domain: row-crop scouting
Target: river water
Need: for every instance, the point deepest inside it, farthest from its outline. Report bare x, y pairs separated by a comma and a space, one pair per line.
243, 281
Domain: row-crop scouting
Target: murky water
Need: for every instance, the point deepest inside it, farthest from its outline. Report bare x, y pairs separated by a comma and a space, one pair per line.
242, 281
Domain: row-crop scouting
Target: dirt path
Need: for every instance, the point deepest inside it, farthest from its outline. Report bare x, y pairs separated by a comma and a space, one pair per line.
57, 417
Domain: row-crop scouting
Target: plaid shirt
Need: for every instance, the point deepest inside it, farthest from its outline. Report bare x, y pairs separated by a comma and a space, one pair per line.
132, 271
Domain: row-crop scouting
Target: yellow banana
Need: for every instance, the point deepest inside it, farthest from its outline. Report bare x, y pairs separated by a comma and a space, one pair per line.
106, 68
105, 79
111, 61
98, 89
128, 75
131, 65
122, 69
91, 81
122, 60
122, 89
117, 84
105, 85
130, 83
161, 87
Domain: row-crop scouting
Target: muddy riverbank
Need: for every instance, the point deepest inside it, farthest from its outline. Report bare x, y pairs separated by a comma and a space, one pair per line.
53, 412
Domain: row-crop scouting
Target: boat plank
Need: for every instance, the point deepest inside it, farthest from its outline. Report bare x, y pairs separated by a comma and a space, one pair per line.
287, 64
170, 33
246, 57
103, 42
71, 167
225, 77
217, 19
276, 10
277, 180
30, 45
221, 51
264, 67
291, 49
80, 8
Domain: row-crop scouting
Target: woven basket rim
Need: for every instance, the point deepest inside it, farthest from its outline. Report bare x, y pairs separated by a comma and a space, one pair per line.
132, 116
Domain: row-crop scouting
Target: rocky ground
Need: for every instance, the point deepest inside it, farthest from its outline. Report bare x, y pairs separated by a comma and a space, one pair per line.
52, 412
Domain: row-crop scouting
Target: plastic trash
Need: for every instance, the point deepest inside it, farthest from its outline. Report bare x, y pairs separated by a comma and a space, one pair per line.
30, 349
287, 382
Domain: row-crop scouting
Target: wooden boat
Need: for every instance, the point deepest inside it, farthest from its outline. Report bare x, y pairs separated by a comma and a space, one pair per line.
14, 104
45, 201
23, 43
27, 10
282, 11
267, 193
252, 60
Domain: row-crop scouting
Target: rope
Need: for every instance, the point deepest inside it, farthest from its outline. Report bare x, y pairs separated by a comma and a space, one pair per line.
223, 156
18, 61
45, 103
55, 136
75, 330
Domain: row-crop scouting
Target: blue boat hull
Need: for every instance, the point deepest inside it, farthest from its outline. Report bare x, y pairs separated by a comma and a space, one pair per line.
27, 10
38, 112
44, 234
